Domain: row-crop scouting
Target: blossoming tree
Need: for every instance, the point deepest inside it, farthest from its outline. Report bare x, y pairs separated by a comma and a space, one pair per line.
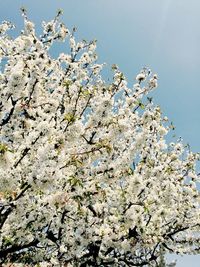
86, 177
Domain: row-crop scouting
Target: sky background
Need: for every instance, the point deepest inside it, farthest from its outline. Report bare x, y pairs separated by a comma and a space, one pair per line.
161, 34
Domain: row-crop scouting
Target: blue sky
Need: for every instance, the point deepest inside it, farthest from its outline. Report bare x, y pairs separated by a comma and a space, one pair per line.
163, 35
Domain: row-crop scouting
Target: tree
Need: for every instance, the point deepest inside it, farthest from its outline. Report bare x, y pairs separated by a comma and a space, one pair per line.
87, 178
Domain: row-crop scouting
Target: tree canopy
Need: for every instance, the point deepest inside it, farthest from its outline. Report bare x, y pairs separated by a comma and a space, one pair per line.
86, 175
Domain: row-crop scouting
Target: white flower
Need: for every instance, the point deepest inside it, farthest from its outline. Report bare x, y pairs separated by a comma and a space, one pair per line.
125, 245
162, 130
140, 77
153, 82
72, 43
63, 32
29, 27
92, 47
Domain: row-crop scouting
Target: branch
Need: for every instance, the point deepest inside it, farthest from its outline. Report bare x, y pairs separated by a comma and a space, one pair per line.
61, 221
31, 93
90, 141
17, 248
5, 215
8, 117
87, 103
27, 186
177, 231
170, 249
25, 151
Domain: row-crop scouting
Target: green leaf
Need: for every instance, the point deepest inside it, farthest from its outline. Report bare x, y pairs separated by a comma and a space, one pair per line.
69, 117
3, 148
67, 83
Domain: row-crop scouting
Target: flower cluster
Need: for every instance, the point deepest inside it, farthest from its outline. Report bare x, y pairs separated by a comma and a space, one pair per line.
86, 176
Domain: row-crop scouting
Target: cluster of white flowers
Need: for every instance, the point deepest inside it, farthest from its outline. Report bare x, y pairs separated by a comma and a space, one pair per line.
86, 176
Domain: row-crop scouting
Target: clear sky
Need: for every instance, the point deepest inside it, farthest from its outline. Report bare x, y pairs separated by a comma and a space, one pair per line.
161, 34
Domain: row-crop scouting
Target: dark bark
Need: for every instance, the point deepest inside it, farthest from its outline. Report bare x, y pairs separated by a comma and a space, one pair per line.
17, 248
